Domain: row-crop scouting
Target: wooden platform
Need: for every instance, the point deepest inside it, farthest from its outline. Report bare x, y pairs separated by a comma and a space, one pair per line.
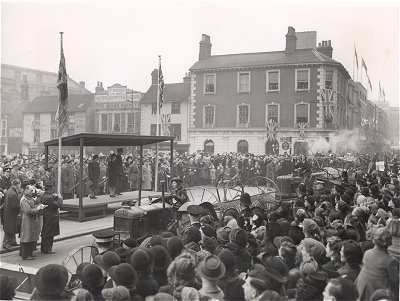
96, 208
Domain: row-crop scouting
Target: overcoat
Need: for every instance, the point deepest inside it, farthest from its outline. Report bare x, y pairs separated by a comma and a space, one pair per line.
30, 226
112, 170
94, 173
379, 270
11, 211
146, 177
51, 215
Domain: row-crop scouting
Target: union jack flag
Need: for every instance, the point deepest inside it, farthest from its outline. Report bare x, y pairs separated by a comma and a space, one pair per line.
327, 95
271, 130
160, 84
302, 128
165, 124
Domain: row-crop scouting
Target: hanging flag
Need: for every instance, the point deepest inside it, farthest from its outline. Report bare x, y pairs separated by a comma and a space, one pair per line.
355, 53
384, 97
165, 124
364, 65
160, 84
369, 81
380, 91
62, 86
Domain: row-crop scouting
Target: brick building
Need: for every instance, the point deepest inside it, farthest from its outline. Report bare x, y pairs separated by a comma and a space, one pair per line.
173, 120
268, 102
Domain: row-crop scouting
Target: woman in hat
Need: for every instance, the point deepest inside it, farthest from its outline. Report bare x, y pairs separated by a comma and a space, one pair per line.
379, 269
178, 193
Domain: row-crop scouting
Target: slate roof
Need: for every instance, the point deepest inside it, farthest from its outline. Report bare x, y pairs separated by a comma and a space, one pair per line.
172, 92
300, 56
46, 104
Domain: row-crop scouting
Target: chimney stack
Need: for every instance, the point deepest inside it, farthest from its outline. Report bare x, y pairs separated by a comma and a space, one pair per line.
99, 87
205, 47
187, 78
154, 77
325, 47
82, 84
290, 40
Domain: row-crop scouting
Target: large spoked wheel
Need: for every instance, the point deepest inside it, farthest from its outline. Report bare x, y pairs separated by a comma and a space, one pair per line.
230, 189
260, 185
201, 194
78, 255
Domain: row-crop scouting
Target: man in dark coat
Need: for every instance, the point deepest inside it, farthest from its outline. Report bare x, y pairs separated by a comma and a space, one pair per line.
120, 171
94, 176
5, 180
11, 211
51, 217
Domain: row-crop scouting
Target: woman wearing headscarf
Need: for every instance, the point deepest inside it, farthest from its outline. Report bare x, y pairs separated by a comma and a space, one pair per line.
379, 270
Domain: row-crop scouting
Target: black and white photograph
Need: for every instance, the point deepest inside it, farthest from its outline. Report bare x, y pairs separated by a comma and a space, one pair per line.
200, 150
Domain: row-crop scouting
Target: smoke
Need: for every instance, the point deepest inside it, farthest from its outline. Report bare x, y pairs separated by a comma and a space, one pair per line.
342, 141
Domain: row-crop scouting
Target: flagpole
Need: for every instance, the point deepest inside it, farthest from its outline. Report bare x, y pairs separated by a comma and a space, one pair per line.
59, 140
157, 124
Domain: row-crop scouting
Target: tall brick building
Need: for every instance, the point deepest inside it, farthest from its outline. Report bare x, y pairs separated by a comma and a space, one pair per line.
268, 102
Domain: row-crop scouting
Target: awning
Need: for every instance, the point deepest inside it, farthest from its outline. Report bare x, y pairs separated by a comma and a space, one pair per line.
108, 140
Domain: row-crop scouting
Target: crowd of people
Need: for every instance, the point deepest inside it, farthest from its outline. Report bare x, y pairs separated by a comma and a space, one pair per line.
339, 242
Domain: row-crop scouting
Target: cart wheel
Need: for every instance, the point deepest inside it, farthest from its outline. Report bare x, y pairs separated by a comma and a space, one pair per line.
78, 255
200, 194
260, 185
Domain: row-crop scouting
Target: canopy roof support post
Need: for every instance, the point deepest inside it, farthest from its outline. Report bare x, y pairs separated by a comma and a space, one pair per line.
80, 216
46, 156
171, 163
140, 175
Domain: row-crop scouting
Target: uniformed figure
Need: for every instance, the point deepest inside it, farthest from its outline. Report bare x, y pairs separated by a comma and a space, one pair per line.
5, 180
104, 242
195, 212
178, 193
245, 212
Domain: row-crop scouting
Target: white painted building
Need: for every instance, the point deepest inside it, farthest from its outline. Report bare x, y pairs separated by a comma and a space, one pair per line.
173, 118
40, 124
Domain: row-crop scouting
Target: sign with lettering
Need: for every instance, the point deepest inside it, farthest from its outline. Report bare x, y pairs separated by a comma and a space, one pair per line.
116, 105
119, 90
105, 97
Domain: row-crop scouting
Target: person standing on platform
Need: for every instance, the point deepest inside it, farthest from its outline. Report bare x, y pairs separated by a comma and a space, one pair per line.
30, 227
51, 218
146, 176
120, 171
93, 176
133, 176
112, 174
11, 211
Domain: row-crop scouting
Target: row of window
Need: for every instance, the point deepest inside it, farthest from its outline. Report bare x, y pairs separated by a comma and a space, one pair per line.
272, 113
273, 81
113, 122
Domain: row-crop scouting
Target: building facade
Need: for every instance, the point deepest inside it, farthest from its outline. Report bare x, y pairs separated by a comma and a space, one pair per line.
115, 110
19, 86
173, 118
269, 102
40, 124
393, 123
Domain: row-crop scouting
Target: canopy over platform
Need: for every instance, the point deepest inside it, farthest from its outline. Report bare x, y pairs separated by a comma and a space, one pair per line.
85, 139
108, 140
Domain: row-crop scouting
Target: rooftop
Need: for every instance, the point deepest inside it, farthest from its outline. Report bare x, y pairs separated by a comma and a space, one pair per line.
49, 104
172, 92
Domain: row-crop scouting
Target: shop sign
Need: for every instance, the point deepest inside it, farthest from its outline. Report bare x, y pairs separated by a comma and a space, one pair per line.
116, 105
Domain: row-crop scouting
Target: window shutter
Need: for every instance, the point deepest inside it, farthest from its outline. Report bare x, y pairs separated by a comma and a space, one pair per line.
123, 125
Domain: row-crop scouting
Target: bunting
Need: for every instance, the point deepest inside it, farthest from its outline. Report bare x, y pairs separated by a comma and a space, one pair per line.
355, 53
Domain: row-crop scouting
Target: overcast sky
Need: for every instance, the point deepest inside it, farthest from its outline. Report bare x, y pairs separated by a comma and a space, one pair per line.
119, 42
